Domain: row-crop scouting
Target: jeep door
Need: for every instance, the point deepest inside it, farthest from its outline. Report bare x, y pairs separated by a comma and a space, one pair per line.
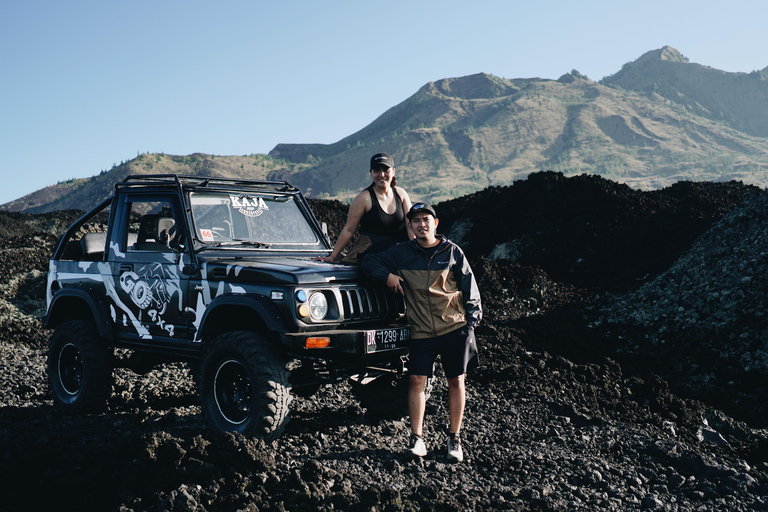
147, 252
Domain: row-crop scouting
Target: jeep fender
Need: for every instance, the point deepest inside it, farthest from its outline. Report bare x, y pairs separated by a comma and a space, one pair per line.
78, 304
239, 313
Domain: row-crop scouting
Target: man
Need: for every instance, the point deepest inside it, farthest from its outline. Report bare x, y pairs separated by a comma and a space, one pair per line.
443, 310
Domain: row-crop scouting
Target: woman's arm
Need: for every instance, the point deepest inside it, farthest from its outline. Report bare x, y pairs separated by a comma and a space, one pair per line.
406, 207
360, 204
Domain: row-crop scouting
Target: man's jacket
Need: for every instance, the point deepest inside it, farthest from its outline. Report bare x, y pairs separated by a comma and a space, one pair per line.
440, 290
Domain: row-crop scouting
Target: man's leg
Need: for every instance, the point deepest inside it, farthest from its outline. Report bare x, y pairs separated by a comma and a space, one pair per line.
456, 401
417, 402
416, 405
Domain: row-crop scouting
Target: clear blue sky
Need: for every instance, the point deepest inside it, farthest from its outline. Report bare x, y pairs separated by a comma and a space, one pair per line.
88, 84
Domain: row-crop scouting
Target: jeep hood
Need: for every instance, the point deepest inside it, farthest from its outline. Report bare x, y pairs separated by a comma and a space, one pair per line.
285, 270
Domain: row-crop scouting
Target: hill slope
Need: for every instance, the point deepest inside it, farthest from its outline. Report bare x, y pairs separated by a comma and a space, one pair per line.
83, 193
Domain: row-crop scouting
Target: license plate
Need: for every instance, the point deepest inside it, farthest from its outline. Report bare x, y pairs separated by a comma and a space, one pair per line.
386, 339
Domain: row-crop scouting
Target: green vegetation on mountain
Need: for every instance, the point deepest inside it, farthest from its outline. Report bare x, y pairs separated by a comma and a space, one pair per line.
659, 120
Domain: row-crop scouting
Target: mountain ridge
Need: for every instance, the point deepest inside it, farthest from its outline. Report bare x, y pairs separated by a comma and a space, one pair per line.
738, 99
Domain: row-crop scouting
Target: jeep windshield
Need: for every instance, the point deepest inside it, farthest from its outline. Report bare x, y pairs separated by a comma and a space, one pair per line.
252, 221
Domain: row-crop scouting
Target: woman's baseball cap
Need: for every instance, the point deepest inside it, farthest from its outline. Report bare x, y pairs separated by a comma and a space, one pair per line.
382, 159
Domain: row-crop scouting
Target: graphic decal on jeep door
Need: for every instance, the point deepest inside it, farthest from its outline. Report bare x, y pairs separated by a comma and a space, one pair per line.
204, 293
151, 290
249, 206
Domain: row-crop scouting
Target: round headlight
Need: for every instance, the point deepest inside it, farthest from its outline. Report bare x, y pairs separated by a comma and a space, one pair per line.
318, 306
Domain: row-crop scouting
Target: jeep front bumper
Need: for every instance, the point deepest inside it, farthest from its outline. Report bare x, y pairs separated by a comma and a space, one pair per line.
393, 340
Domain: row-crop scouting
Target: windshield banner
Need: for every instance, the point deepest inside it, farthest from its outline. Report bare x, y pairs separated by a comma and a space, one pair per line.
249, 206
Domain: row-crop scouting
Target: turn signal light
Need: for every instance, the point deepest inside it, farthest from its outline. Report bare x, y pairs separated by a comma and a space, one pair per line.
317, 342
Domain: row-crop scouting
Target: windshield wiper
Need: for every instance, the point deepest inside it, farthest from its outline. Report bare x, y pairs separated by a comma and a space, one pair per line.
254, 243
236, 242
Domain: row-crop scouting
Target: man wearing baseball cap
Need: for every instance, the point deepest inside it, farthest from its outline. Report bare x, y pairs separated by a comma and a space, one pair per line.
443, 310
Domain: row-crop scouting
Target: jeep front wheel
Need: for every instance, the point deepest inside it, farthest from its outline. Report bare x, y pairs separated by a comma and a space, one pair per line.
79, 366
244, 386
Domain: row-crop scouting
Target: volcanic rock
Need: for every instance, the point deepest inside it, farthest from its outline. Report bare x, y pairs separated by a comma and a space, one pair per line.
623, 368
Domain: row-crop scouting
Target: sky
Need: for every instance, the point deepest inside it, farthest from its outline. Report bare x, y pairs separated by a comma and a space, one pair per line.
86, 85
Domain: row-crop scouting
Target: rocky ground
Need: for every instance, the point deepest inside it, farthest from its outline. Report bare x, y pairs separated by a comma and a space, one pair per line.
623, 367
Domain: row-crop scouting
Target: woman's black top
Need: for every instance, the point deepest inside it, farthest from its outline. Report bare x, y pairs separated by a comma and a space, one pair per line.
377, 222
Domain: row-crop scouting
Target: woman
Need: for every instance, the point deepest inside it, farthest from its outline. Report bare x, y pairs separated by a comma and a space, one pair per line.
379, 212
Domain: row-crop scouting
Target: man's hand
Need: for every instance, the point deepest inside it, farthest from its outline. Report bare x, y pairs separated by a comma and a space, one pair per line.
393, 283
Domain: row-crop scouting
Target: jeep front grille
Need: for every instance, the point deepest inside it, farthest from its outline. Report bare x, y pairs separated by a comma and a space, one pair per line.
370, 303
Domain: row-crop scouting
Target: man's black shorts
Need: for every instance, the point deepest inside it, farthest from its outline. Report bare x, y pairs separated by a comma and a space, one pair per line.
457, 350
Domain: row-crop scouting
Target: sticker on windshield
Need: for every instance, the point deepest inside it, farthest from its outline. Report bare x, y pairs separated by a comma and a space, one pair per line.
206, 235
249, 206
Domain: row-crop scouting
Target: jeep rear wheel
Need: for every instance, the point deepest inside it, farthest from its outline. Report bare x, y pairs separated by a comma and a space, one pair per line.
244, 386
79, 366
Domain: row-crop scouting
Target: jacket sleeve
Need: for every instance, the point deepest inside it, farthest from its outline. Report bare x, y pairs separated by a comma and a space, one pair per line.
378, 266
468, 286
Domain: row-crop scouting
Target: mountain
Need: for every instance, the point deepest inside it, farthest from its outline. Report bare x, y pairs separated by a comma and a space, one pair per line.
659, 120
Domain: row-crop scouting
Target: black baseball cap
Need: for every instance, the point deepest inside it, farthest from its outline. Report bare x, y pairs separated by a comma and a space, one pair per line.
382, 159
420, 207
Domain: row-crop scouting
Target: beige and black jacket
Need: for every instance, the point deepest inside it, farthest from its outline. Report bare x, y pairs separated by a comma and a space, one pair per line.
440, 289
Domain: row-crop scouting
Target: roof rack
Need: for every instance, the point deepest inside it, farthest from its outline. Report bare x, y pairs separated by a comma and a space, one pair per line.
181, 181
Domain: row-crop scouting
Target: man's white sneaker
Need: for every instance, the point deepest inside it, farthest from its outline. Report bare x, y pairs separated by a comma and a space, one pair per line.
455, 453
417, 446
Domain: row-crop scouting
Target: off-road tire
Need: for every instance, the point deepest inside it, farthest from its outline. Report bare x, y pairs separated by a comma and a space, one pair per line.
387, 396
244, 386
79, 367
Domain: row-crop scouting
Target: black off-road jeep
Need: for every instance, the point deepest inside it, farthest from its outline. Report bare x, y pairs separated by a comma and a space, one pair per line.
219, 273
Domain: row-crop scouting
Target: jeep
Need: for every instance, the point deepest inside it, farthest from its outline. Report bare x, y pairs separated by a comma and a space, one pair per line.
221, 274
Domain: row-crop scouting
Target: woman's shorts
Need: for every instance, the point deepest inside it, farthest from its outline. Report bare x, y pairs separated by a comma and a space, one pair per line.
457, 351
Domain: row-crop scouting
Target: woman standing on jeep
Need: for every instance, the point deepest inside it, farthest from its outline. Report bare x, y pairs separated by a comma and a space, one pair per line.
379, 213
